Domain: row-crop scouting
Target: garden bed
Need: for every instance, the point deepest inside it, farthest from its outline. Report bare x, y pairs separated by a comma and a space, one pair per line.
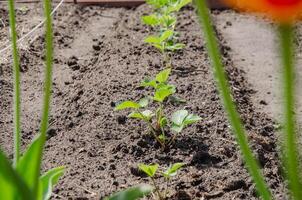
100, 60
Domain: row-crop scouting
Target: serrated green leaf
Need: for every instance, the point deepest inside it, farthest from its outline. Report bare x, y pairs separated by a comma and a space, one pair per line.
172, 170
144, 102
161, 94
165, 35
11, 183
127, 104
47, 181
151, 20
191, 118
133, 193
150, 170
163, 76
179, 116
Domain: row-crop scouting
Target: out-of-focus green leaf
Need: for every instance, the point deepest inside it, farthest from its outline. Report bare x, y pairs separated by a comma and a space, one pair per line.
150, 170
163, 76
144, 102
29, 164
47, 181
175, 47
145, 115
179, 116
127, 104
151, 20
166, 35
161, 94
12, 185
176, 128
172, 170
153, 40
132, 193
149, 83
191, 118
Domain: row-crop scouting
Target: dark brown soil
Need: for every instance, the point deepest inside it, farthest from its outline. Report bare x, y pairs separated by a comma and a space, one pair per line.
100, 60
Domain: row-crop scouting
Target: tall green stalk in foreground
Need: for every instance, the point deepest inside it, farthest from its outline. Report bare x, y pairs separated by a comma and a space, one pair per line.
290, 150
225, 93
16, 71
23, 180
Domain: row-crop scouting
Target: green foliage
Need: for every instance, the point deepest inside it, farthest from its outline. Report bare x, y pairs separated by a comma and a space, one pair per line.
160, 126
150, 170
164, 19
170, 172
133, 193
22, 180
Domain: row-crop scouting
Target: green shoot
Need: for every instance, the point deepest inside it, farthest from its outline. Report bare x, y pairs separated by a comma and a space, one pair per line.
225, 92
23, 179
164, 19
168, 174
163, 129
17, 95
133, 193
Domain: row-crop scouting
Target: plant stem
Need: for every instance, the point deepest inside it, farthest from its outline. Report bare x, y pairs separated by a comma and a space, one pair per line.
156, 189
17, 95
225, 92
290, 151
47, 82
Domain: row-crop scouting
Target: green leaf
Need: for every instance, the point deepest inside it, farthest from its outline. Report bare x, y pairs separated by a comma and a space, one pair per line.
179, 116
149, 83
150, 170
177, 100
172, 170
161, 94
163, 122
127, 104
191, 118
132, 193
175, 47
153, 40
177, 128
151, 20
165, 35
163, 76
144, 102
48, 180
29, 164
145, 115
11, 183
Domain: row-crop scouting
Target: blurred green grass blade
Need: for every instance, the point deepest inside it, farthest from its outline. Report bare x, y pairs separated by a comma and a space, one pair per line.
225, 92
16, 72
29, 163
47, 87
47, 181
132, 193
290, 150
11, 184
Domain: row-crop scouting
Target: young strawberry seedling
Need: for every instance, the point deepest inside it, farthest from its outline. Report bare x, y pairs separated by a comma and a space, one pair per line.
168, 174
164, 20
163, 129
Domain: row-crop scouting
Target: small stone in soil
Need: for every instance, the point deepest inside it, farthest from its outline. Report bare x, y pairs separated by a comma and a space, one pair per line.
121, 119
51, 133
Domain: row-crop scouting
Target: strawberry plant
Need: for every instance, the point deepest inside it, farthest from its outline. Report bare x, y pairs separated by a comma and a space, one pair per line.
152, 170
164, 20
164, 129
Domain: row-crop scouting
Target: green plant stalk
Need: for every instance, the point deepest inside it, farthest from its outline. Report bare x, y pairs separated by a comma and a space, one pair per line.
225, 92
47, 84
16, 72
290, 151
156, 189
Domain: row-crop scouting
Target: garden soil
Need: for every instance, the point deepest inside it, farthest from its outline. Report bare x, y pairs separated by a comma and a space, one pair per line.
100, 59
